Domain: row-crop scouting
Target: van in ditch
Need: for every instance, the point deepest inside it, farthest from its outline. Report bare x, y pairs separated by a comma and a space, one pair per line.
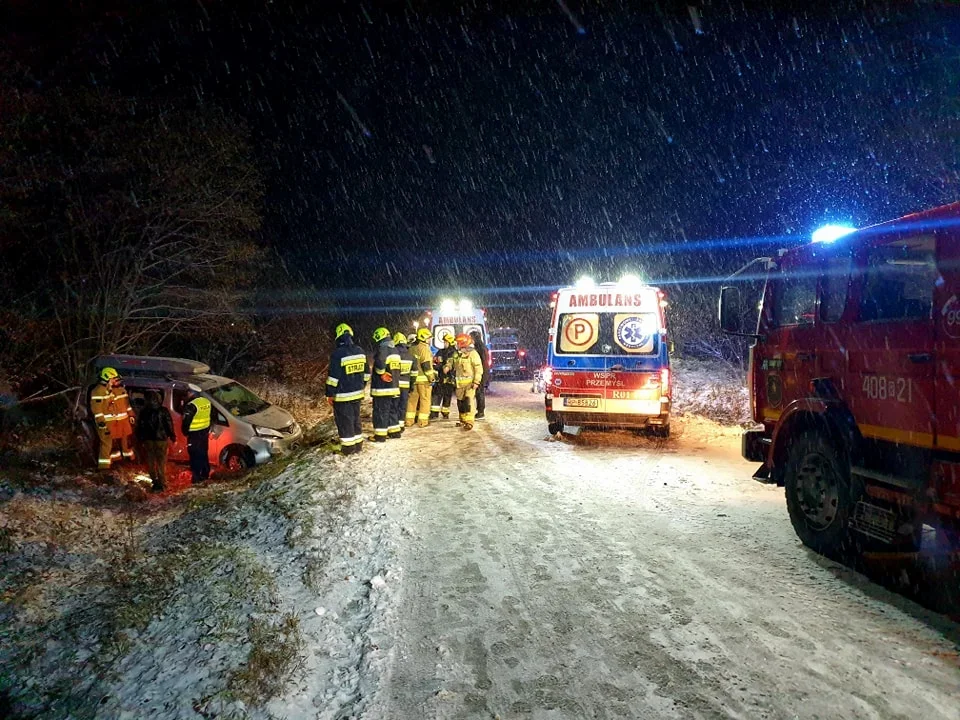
245, 429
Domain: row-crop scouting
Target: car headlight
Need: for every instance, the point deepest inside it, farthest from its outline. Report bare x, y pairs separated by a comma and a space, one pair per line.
267, 432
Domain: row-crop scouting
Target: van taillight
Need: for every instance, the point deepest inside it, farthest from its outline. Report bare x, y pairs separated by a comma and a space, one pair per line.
664, 381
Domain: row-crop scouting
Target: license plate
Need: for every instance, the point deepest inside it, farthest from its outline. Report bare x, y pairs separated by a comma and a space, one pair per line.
582, 402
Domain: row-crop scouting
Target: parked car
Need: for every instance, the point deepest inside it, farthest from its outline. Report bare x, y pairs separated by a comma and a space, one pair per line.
245, 431
541, 379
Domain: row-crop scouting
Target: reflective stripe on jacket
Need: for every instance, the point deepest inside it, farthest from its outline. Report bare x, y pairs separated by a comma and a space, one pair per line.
467, 368
422, 369
198, 413
406, 365
347, 372
385, 360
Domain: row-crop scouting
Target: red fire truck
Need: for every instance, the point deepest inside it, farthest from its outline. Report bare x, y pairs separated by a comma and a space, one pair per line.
855, 377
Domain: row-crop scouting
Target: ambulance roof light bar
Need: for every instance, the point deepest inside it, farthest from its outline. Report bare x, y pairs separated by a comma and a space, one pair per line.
585, 282
448, 306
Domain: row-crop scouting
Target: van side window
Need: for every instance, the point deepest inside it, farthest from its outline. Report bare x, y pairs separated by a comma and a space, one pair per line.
795, 299
219, 419
899, 280
834, 286
179, 399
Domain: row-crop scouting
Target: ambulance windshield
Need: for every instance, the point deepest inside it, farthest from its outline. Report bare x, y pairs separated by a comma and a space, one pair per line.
607, 333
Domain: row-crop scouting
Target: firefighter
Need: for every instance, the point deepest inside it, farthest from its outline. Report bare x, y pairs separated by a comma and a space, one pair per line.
422, 376
445, 387
344, 391
485, 360
114, 418
406, 363
384, 386
466, 368
196, 426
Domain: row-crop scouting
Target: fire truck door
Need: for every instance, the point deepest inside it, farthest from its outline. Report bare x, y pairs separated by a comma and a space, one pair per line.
792, 334
946, 317
890, 378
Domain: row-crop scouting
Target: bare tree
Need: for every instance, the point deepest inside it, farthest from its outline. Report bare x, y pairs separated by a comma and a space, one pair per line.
125, 225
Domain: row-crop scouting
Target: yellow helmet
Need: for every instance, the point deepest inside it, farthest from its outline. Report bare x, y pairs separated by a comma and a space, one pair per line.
399, 339
449, 339
381, 333
343, 328
108, 374
424, 334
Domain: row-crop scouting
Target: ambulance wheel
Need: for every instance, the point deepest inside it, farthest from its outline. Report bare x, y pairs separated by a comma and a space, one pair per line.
819, 494
660, 431
555, 427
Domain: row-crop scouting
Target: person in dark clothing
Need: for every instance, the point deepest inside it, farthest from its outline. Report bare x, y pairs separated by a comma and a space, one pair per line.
481, 397
196, 426
155, 431
344, 390
445, 386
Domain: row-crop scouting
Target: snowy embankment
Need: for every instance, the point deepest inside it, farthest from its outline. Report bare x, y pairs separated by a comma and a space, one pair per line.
271, 595
233, 604
714, 390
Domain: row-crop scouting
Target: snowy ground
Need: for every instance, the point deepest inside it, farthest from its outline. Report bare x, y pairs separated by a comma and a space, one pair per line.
500, 573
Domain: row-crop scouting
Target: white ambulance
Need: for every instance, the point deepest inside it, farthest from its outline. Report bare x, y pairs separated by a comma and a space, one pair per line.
608, 360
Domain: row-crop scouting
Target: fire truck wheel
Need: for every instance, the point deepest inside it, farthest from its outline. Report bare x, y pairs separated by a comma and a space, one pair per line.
819, 494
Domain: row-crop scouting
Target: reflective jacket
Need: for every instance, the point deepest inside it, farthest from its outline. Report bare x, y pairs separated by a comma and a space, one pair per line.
443, 362
406, 363
386, 363
422, 370
347, 372
466, 368
111, 410
196, 416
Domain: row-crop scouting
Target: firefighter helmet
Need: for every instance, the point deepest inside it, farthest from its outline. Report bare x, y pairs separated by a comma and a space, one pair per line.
343, 328
381, 333
464, 341
424, 334
108, 374
399, 339
449, 339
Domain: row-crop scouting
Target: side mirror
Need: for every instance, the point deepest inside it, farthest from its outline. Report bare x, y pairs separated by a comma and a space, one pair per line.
671, 348
731, 307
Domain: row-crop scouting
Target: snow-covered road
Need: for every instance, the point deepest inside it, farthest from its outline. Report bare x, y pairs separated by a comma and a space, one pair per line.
606, 577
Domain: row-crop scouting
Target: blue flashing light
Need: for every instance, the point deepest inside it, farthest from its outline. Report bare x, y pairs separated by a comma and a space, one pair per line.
829, 233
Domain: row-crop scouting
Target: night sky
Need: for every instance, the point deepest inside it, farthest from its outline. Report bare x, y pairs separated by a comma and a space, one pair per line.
410, 147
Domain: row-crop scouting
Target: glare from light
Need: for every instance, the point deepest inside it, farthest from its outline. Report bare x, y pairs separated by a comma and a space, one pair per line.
829, 233
466, 307
448, 307
585, 282
630, 280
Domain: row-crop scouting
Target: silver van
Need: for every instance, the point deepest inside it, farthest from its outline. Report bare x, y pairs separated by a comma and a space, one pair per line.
245, 430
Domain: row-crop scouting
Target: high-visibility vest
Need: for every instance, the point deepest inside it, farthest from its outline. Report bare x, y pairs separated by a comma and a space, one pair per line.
200, 421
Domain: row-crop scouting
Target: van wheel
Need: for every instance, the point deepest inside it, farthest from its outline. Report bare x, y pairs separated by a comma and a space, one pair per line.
819, 494
236, 459
555, 427
660, 431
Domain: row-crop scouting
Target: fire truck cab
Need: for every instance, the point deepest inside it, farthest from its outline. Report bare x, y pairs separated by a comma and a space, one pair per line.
854, 376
